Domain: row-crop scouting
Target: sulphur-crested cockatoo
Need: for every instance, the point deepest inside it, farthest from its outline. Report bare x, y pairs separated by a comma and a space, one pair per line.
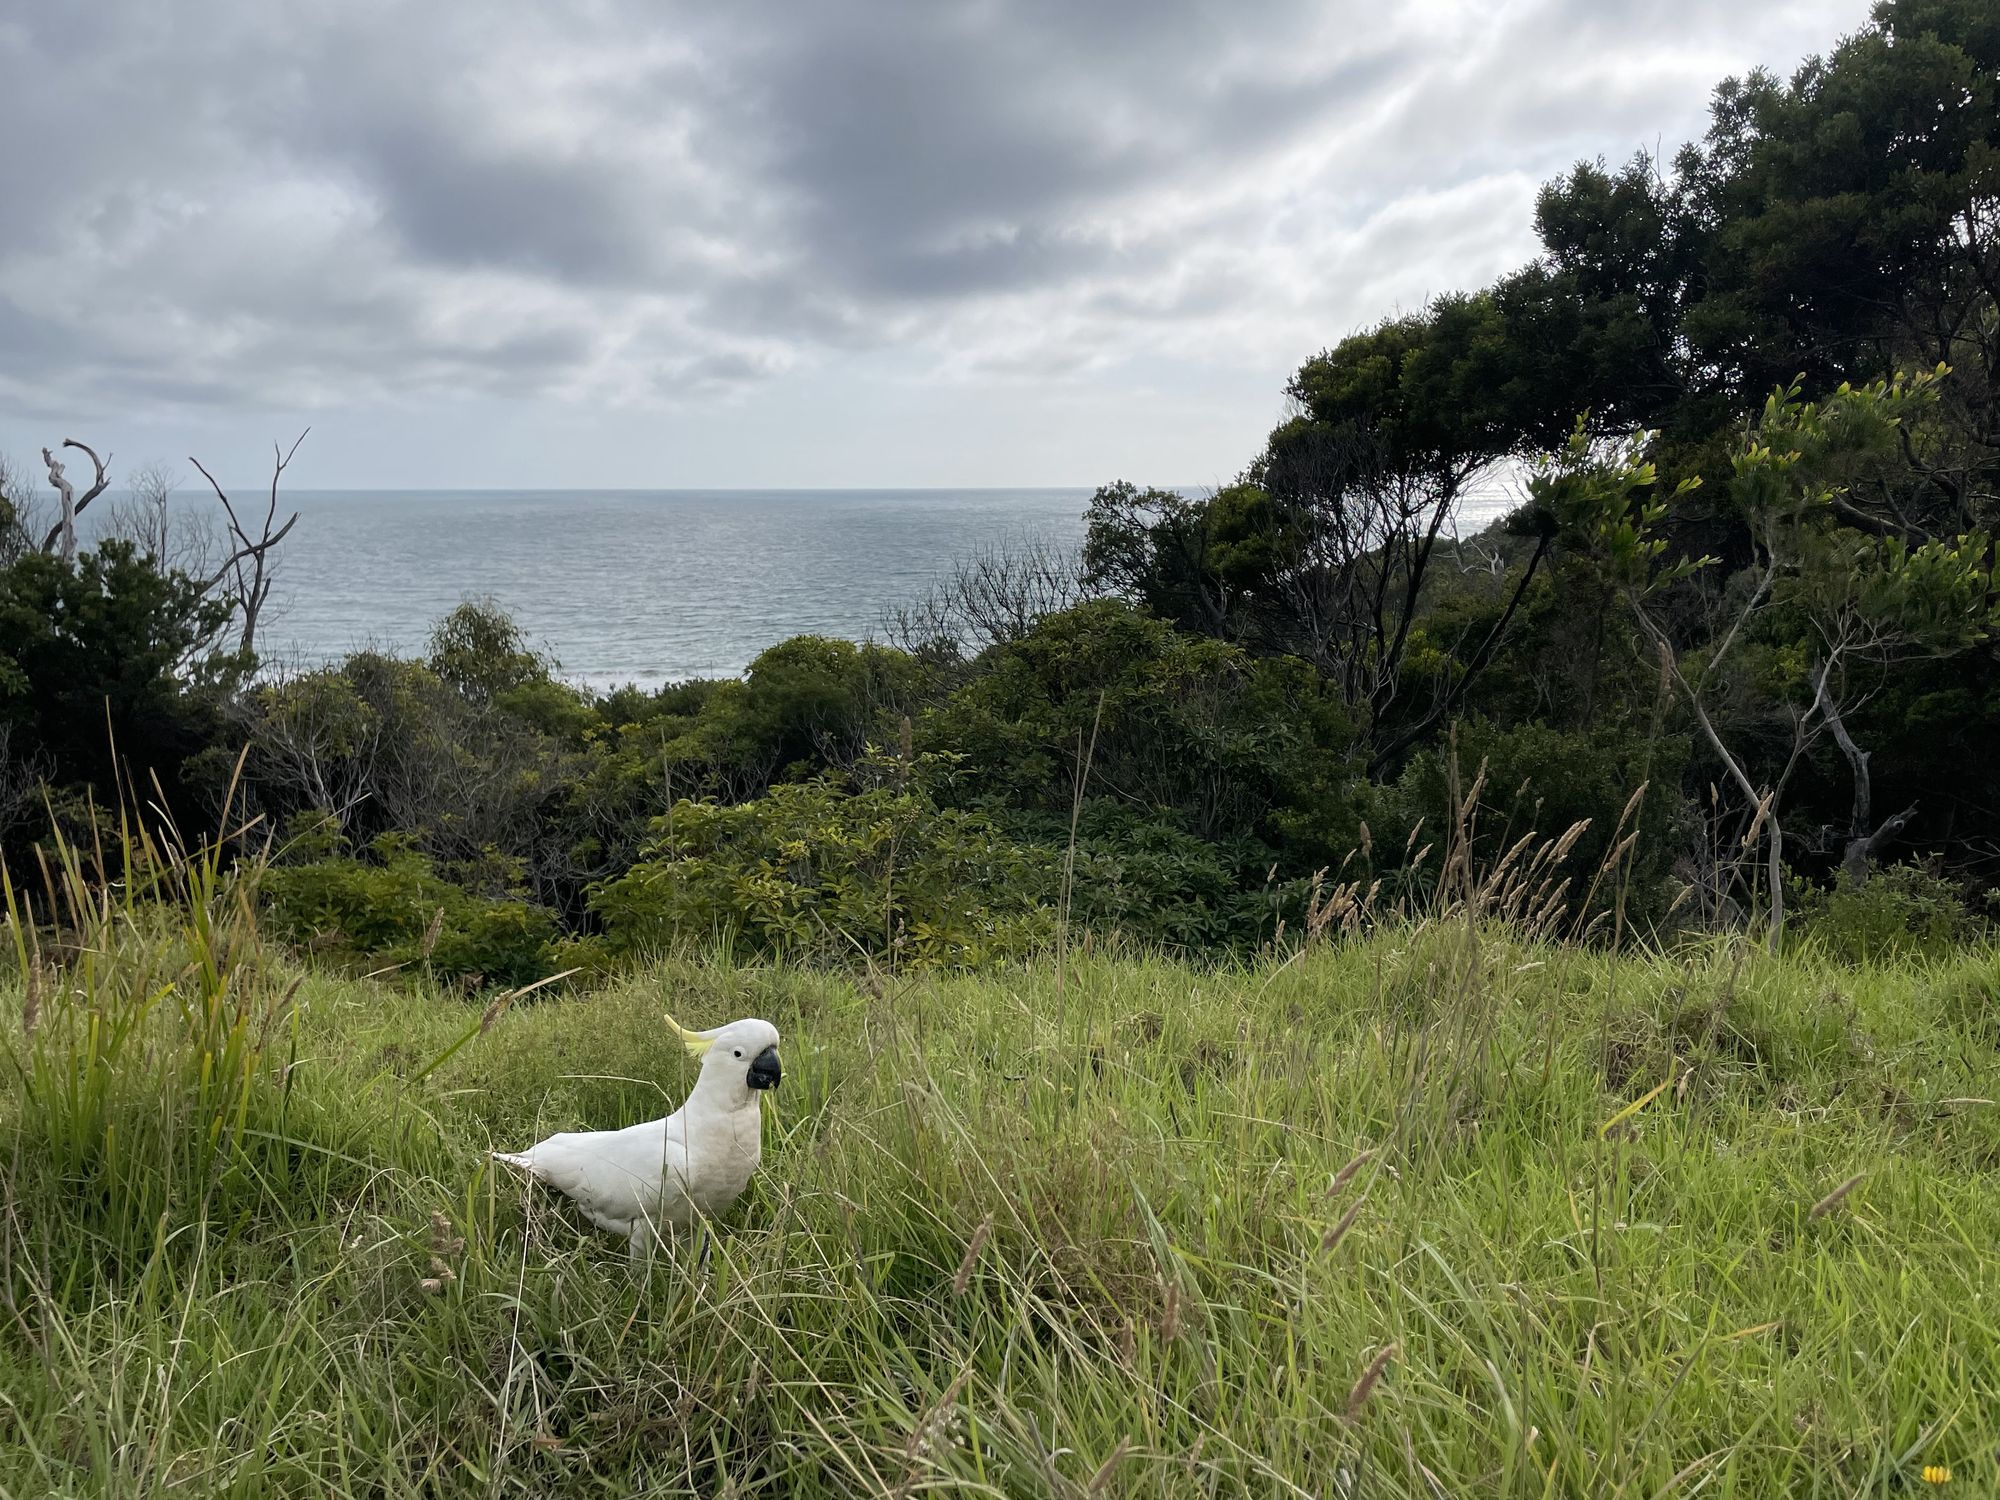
677, 1171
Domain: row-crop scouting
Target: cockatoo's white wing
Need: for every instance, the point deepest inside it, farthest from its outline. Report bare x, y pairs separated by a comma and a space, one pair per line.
621, 1179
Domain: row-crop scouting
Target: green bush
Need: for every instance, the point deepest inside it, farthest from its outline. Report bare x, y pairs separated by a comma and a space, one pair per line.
815, 868
1898, 912
1149, 880
397, 910
111, 668
805, 706
1169, 724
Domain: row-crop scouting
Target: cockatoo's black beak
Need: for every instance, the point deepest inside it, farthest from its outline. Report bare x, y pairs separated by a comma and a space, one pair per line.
764, 1069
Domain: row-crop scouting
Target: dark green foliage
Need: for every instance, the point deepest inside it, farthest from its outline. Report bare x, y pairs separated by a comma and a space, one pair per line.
393, 908
1901, 911
1541, 780
818, 869
1154, 884
1437, 393
111, 650
1168, 722
805, 705
390, 747
1205, 566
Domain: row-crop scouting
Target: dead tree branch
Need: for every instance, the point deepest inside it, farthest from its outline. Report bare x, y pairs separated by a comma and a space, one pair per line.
62, 535
1864, 844
249, 568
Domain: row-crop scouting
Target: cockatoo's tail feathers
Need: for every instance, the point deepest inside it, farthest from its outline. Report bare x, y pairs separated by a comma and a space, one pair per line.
696, 1042
521, 1159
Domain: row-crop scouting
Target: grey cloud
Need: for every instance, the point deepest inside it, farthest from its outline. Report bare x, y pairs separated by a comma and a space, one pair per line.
344, 202
956, 149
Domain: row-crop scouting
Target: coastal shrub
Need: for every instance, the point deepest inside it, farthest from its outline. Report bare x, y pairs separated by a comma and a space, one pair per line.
394, 909
805, 706
111, 657
390, 746
1163, 722
1900, 911
1150, 882
818, 869
483, 653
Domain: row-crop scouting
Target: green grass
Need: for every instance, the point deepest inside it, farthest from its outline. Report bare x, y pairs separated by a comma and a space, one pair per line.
231, 1278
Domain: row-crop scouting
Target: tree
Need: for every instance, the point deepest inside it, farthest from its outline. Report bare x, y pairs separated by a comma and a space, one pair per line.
248, 570
61, 538
988, 597
108, 648
1849, 222
164, 532
1820, 606
481, 651
1325, 550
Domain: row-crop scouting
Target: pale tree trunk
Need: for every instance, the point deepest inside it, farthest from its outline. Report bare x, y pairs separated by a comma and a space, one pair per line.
62, 536
1765, 804
1864, 844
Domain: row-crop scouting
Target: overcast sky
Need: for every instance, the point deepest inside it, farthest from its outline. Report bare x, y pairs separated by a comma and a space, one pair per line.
831, 242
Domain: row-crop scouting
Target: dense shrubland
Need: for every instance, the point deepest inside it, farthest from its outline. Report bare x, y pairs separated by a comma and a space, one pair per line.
1748, 397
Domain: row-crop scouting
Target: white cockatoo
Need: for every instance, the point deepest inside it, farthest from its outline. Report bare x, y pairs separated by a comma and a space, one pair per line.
680, 1170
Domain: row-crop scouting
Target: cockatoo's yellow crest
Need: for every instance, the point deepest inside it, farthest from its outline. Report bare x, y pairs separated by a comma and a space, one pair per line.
696, 1042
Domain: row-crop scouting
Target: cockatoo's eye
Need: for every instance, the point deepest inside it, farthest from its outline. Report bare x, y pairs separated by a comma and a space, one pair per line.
737, 1053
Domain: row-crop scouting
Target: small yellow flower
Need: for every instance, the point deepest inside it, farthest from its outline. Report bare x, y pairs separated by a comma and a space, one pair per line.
1936, 1474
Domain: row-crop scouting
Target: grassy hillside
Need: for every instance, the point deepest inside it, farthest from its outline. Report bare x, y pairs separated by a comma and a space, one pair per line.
1427, 1214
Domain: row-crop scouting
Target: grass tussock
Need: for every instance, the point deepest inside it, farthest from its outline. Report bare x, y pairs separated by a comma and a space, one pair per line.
1428, 1210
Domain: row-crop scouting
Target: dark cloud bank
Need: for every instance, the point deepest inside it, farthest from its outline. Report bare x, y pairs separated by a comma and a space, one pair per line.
241, 207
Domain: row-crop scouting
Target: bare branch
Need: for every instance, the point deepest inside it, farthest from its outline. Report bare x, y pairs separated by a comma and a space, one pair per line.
249, 552
989, 596
62, 535
249, 565
1865, 843
1865, 850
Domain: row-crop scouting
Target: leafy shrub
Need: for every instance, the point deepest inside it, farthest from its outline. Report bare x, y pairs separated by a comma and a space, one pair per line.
816, 868
1900, 911
112, 650
394, 748
1168, 722
1149, 880
805, 706
396, 909
481, 652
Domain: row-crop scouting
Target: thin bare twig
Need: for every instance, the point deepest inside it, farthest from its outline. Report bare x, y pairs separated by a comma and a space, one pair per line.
249, 564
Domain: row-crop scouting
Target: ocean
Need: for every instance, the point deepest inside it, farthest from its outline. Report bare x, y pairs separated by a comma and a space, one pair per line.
622, 586
638, 586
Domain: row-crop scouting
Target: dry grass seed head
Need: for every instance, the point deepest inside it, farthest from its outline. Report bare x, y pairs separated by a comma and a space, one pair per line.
1835, 1198
1333, 1237
980, 1236
1346, 1174
431, 933
1105, 1470
1358, 1396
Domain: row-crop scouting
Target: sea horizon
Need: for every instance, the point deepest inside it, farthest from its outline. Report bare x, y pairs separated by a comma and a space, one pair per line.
625, 585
